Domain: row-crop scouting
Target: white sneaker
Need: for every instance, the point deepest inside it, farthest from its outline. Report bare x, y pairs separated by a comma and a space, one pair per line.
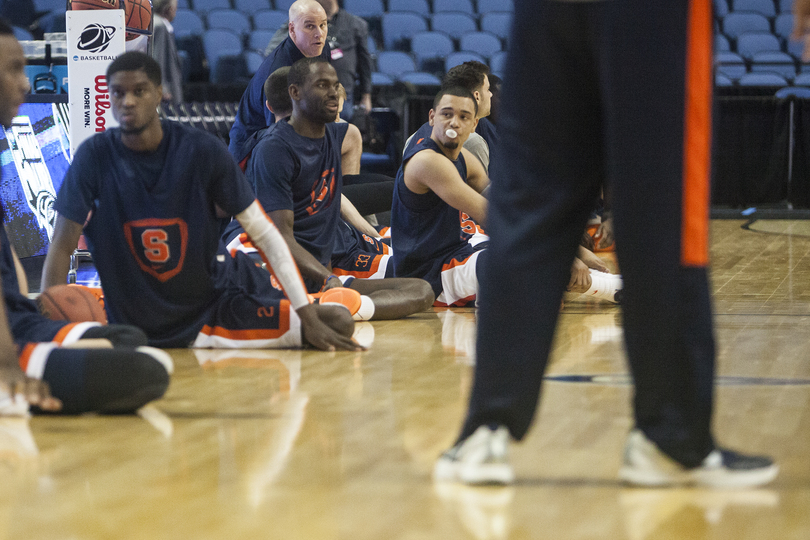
646, 465
481, 458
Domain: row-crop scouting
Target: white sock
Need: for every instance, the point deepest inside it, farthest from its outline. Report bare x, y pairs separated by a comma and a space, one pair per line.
366, 310
604, 286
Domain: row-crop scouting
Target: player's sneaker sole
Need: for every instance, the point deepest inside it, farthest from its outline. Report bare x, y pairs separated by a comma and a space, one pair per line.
479, 459
645, 465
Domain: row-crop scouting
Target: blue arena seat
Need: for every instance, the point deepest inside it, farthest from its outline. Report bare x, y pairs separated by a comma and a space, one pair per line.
269, 19
783, 25
801, 92
802, 79
750, 43
722, 80
731, 64
381, 79
775, 62
217, 44
484, 43
258, 40
455, 24
497, 22
187, 23
456, 58
721, 43
420, 78
249, 7
417, 6
283, 5
364, 8
204, 6
399, 26
253, 61
785, 6
762, 79
485, 6
430, 45
720, 8
497, 64
394, 63
763, 7
736, 23
464, 6
228, 19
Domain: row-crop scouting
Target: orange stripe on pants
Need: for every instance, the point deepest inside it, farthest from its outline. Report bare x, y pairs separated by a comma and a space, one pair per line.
697, 136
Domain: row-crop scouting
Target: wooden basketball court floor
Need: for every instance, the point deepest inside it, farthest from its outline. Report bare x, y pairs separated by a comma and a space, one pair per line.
319, 446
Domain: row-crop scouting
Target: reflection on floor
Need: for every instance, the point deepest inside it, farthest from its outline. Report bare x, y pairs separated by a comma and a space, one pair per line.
310, 445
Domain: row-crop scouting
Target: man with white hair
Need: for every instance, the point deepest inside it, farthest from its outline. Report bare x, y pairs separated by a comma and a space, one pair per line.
308, 29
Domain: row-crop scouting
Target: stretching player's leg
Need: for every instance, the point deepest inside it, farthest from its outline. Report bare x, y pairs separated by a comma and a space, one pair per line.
395, 298
99, 380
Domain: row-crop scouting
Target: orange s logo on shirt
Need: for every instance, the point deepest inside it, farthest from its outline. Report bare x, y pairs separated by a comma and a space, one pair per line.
158, 245
323, 191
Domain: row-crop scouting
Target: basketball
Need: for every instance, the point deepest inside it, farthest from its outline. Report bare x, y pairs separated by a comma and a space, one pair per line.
73, 303
78, 5
349, 298
138, 15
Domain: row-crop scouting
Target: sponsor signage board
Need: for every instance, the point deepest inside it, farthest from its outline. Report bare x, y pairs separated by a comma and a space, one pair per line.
94, 39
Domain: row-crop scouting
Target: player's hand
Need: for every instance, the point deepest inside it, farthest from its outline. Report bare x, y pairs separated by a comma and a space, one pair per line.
331, 283
801, 25
591, 260
328, 328
580, 277
36, 392
604, 234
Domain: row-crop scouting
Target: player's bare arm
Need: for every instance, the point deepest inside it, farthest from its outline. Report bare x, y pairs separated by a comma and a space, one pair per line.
13, 380
350, 215
591, 259
429, 171
477, 177
351, 151
66, 235
307, 264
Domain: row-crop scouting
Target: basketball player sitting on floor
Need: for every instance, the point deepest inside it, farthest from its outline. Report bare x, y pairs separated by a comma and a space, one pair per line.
157, 190
438, 201
295, 167
81, 380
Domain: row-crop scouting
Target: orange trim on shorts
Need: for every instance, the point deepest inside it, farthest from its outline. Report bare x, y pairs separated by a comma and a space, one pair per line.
25, 355
254, 333
455, 262
697, 136
360, 274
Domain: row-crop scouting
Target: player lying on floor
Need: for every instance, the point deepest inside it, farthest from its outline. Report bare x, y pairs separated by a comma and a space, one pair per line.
296, 169
158, 191
438, 202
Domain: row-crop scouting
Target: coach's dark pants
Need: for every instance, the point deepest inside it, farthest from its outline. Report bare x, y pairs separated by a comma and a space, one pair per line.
597, 92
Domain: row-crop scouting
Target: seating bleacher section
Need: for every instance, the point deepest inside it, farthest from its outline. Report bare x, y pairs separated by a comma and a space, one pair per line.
752, 36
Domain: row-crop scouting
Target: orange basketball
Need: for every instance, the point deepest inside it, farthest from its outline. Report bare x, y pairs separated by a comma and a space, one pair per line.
348, 298
138, 15
72, 303
92, 4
